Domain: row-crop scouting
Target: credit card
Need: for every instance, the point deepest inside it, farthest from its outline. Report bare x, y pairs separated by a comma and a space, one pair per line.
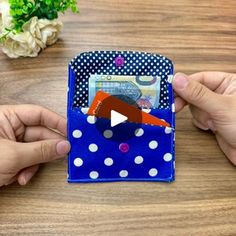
104, 103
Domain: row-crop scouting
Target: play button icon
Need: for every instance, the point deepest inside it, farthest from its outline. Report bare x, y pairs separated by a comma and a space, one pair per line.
120, 116
117, 118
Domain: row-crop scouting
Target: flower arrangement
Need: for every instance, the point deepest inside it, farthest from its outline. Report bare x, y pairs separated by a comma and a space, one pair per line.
29, 26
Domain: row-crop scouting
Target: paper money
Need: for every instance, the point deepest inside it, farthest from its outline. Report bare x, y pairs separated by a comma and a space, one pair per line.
144, 90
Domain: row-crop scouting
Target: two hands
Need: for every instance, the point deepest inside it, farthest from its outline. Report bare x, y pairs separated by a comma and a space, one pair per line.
31, 135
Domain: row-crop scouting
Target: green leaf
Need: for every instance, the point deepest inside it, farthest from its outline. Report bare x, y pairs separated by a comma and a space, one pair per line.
23, 10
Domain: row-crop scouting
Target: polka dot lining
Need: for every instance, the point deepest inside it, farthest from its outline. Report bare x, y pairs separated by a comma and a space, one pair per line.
136, 64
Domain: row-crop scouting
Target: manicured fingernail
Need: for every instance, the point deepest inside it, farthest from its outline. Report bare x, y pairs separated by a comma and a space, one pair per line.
63, 147
180, 81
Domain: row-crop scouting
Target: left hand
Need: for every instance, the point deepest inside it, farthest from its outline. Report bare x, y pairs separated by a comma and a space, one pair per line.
29, 135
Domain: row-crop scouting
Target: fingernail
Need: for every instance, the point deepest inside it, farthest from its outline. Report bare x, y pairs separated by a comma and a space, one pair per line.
23, 180
27, 177
180, 81
63, 147
211, 125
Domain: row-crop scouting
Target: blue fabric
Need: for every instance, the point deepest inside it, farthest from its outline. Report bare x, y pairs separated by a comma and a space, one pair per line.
94, 157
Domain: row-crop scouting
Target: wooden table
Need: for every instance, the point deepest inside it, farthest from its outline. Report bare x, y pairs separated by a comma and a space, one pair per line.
196, 35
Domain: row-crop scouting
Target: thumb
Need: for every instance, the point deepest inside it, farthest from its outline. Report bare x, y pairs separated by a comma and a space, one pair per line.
41, 152
196, 93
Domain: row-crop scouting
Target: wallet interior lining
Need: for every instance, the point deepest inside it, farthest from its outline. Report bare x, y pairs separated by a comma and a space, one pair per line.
137, 64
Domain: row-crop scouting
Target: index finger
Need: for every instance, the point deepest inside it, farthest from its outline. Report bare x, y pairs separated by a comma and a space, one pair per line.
33, 115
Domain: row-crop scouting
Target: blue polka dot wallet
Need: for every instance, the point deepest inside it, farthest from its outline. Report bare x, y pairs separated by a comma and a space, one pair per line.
121, 117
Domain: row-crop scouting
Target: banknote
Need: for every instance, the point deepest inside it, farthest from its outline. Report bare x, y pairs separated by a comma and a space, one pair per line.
144, 90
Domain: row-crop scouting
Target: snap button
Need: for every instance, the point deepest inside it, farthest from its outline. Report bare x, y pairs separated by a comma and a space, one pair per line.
119, 61
124, 147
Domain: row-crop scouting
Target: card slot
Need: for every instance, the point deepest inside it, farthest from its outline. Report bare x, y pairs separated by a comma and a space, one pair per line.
164, 114
96, 157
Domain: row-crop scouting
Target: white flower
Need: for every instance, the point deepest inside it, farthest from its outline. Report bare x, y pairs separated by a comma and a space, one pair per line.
50, 30
44, 31
36, 35
21, 44
5, 18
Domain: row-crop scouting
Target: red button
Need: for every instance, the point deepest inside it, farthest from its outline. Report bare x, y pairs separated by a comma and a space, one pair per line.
124, 147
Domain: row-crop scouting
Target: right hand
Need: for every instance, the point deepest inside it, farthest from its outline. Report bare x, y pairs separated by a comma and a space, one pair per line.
212, 100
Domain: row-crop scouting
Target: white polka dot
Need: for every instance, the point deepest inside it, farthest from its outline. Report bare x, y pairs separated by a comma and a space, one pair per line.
77, 133
123, 173
168, 130
153, 172
93, 147
78, 162
138, 160
108, 133
167, 157
93, 174
139, 132
146, 110
153, 144
91, 119
85, 109
170, 78
173, 107
108, 161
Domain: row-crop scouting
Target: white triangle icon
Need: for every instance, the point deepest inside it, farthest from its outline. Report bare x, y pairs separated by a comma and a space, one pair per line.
117, 118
